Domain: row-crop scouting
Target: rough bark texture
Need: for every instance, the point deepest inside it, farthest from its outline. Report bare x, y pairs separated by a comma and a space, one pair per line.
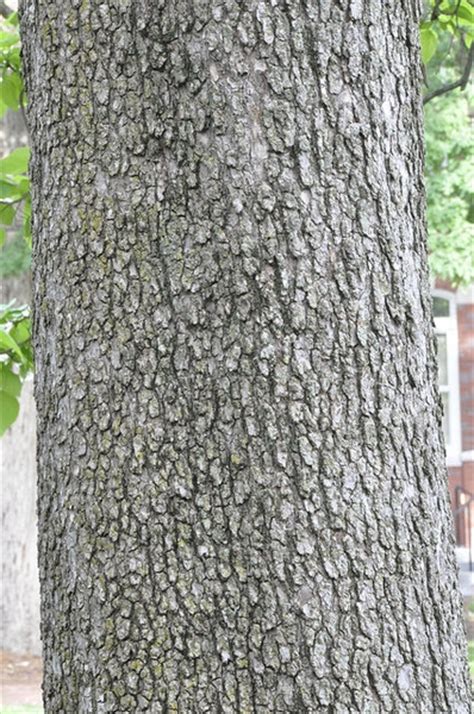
242, 491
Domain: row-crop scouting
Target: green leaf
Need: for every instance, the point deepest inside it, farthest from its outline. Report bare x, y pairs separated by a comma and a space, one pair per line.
7, 39
448, 22
12, 58
13, 19
21, 332
9, 381
466, 11
9, 409
11, 89
16, 162
10, 313
2, 236
429, 42
445, 5
6, 308
8, 344
23, 183
10, 189
7, 214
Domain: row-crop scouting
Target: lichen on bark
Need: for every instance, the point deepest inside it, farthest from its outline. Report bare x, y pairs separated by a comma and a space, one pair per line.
242, 491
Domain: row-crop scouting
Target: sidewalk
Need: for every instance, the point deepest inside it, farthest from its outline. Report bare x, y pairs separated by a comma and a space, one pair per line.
20, 682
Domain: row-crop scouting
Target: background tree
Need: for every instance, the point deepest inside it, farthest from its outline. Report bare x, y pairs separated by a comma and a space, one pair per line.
242, 494
449, 187
449, 153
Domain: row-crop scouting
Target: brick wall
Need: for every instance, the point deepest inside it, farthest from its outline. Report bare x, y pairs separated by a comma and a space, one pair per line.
466, 374
463, 475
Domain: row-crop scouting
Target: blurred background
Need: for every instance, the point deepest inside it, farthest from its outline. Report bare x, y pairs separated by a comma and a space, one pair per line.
449, 182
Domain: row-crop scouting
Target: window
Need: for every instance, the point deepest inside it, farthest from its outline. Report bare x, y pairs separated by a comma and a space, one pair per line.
446, 328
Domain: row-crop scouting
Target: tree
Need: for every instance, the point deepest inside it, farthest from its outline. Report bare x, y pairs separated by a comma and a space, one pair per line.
242, 490
447, 24
446, 34
449, 184
448, 167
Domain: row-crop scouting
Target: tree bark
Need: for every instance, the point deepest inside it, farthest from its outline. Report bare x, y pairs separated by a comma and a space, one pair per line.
242, 484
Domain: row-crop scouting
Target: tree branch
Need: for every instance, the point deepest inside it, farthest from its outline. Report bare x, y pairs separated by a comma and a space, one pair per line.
461, 82
436, 10
5, 11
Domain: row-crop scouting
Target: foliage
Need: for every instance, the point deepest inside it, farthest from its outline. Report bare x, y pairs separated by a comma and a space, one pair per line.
15, 257
16, 359
446, 38
454, 17
16, 354
14, 181
12, 93
450, 187
449, 148
15, 192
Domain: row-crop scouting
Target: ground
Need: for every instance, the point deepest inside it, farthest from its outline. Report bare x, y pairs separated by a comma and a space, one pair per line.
20, 682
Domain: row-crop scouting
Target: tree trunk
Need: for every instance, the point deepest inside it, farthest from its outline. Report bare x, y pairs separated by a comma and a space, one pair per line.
242, 490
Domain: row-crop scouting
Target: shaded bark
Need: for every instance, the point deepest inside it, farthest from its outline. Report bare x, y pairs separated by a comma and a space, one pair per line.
242, 490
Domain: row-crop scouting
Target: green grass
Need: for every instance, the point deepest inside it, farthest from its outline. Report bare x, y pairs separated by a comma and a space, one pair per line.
25, 709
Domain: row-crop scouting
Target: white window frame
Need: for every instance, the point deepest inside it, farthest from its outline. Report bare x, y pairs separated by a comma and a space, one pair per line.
449, 326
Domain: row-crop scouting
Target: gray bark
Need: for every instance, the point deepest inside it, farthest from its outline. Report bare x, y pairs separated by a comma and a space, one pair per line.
242, 491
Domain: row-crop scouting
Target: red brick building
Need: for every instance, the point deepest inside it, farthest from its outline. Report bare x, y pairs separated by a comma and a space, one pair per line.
454, 324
